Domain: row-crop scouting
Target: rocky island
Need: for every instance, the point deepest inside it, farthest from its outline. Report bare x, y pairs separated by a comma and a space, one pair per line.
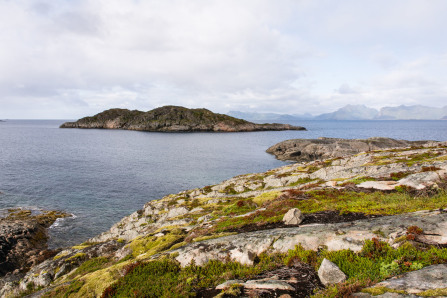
172, 119
364, 224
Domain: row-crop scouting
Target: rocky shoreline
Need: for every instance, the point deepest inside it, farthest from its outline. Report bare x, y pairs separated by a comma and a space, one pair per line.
173, 119
323, 148
329, 228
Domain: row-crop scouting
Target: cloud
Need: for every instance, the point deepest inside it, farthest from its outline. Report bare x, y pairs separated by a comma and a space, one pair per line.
81, 57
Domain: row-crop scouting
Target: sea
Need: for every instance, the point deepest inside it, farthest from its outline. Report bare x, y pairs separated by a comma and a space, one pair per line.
100, 176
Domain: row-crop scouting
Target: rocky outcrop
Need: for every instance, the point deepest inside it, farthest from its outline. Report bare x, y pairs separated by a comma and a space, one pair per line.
323, 148
23, 239
172, 119
430, 281
245, 247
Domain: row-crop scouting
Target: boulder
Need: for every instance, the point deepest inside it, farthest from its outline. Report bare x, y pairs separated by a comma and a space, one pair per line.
293, 217
330, 274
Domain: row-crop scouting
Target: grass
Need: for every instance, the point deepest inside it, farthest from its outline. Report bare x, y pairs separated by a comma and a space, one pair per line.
369, 203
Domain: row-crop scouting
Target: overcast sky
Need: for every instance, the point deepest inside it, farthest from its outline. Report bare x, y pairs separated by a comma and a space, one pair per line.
72, 58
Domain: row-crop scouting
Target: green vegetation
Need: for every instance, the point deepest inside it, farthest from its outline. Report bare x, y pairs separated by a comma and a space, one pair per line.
91, 266
166, 278
151, 245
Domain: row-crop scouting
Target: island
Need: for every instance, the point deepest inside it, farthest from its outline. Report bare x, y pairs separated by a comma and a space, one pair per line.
360, 225
173, 119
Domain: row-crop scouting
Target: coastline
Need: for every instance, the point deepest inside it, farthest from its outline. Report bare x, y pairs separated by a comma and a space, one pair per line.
224, 217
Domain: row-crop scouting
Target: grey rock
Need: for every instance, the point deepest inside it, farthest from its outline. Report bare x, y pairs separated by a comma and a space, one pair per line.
293, 217
177, 212
122, 253
322, 148
428, 278
268, 284
64, 269
330, 274
205, 218
228, 283
422, 180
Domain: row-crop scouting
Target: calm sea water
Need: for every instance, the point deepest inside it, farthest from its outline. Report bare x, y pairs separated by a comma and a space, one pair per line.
101, 176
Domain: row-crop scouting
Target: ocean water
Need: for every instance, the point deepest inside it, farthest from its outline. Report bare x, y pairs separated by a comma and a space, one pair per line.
101, 176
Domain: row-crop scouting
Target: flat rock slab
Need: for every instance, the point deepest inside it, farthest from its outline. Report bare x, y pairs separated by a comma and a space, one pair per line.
428, 278
268, 285
349, 235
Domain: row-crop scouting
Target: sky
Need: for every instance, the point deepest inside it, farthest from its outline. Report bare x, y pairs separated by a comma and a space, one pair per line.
68, 59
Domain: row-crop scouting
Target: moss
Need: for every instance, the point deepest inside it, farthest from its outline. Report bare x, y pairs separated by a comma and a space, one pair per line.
178, 245
91, 266
434, 293
214, 236
60, 255
359, 180
375, 291
151, 245
266, 197
77, 256
96, 282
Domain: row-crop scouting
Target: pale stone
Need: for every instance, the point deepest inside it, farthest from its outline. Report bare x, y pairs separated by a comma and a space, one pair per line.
382, 185
197, 209
228, 283
428, 278
239, 188
330, 274
268, 285
177, 212
293, 217
420, 180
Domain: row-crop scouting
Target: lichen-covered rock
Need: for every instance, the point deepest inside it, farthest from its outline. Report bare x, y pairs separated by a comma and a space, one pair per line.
330, 274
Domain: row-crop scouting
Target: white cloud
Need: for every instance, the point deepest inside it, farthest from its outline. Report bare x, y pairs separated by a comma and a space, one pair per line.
80, 57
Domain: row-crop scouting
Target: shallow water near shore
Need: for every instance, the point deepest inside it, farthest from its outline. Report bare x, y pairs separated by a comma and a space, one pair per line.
101, 176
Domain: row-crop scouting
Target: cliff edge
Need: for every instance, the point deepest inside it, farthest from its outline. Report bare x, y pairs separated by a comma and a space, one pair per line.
172, 119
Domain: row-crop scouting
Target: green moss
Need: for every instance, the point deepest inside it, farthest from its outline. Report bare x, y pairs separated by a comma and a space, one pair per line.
434, 293
178, 245
77, 256
151, 245
359, 180
375, 291
91, 266
60, 255
266, 197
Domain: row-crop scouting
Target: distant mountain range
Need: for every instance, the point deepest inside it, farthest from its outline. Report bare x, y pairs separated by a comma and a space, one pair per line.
355, 112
